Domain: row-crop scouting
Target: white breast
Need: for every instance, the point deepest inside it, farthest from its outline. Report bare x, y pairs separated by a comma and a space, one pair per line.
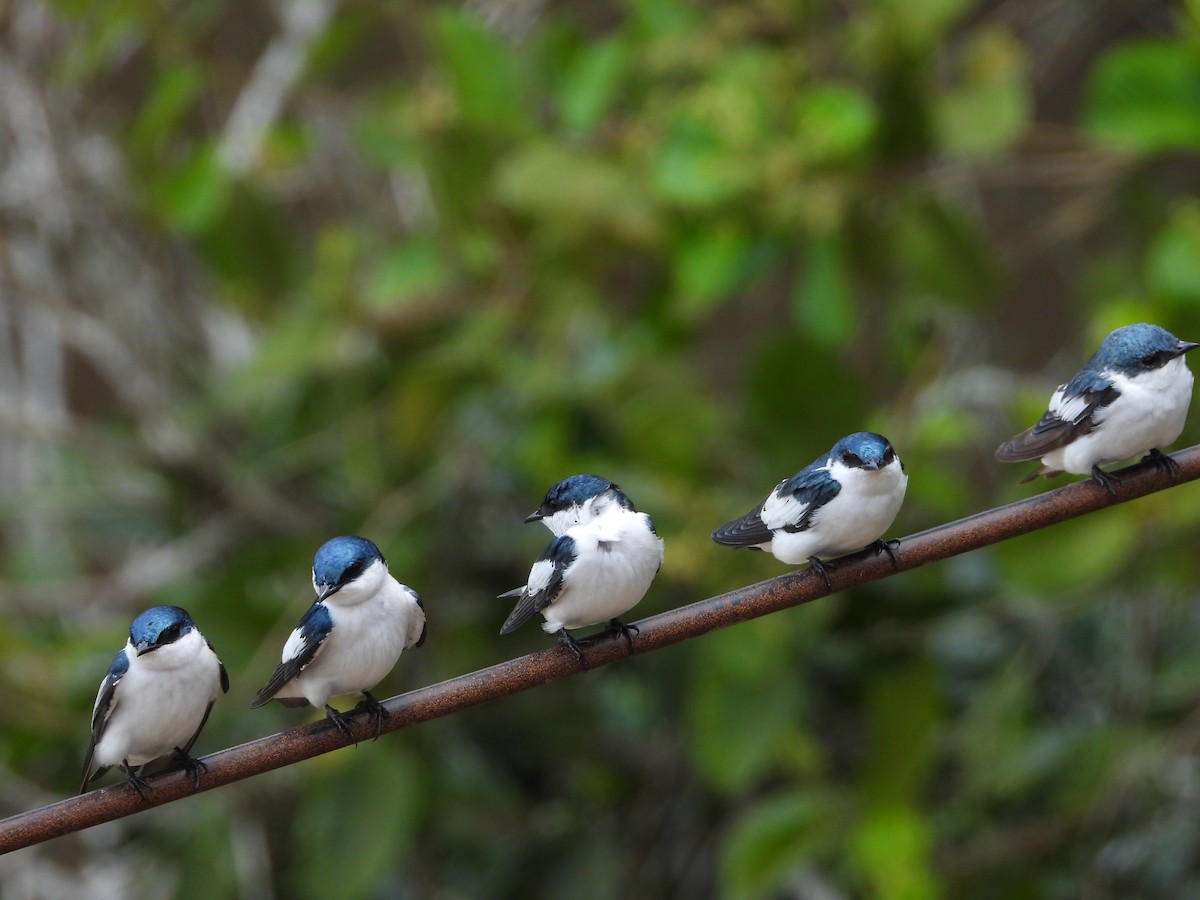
1150, 412
160, 701
618, 557
860, 514
367, 639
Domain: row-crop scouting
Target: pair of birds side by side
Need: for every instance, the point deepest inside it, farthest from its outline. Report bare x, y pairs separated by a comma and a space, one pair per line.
160, 688
1130, 398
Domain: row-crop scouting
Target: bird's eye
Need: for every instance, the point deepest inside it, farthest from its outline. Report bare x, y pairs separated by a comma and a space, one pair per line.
849, 458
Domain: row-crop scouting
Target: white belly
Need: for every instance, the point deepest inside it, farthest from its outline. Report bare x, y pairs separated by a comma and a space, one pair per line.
859, 515
1150, 412
155, 712
365, 643
604, 584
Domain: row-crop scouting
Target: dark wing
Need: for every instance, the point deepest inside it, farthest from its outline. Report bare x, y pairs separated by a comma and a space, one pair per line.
221, 666
301, 648
186, 748
101, 713
748, 531
545, 582
424, 620
1071, 415
790, 507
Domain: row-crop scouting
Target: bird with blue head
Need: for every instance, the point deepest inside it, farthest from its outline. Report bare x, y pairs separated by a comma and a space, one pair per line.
1131, 397
842, 501
351, 637
155, 699
600, 564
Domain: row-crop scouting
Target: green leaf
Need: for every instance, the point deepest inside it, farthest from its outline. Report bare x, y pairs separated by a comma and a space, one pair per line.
990, 110
192, 196
1071, 556
834, 122
340, 855
413, 271
175, 90
692, 167
892, 847
589, 86
772, 839
535, 180
709, 264
734, 741
1145, 97
821, 298
485, 73
1173, 263
904, 716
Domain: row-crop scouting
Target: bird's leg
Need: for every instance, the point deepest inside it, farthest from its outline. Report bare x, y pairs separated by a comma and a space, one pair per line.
1164, 462
823, 569
136, 782
191, 765
342, 723
375, 710
571, 644
616, 626
888, 547
1106, 480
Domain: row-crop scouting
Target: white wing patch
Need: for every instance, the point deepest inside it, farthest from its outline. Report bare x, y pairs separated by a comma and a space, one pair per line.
296, 645
1069, 409
539, 576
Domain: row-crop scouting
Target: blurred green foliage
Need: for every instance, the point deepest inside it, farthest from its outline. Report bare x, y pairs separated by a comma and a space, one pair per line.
473, 249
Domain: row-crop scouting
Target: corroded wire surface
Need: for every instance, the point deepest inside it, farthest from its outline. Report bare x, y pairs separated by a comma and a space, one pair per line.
523, 673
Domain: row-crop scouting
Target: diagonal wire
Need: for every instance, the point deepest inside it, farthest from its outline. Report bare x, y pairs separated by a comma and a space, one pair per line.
523, 673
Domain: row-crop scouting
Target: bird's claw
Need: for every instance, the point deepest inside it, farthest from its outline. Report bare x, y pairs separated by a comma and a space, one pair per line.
191, 765
137, 782
342, 723
1163, 462
616, 626
376, 710
823, 569
1106, 480
571, 644
888, 547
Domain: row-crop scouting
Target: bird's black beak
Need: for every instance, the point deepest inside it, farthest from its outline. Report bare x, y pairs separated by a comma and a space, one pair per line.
536, 516
145, 647
327, 590
1184, 346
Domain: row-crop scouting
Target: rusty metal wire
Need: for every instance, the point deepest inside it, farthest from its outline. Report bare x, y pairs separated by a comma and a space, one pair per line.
523, 673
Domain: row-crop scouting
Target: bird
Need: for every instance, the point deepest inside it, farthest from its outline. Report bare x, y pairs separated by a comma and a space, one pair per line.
351, 637
842, 501
601, 562
1130, 398
155, 698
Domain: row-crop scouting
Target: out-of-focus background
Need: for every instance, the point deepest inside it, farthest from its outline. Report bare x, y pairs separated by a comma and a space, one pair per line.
271, 272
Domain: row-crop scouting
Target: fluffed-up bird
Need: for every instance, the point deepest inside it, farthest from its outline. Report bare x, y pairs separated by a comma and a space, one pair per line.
599, 566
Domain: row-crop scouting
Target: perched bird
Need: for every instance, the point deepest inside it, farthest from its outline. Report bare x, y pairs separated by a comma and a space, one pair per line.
351, 637
840, 502
155, 698
598, 567
1130, 398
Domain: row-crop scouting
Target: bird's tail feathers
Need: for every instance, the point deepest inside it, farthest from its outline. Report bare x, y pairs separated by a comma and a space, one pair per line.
522, 613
